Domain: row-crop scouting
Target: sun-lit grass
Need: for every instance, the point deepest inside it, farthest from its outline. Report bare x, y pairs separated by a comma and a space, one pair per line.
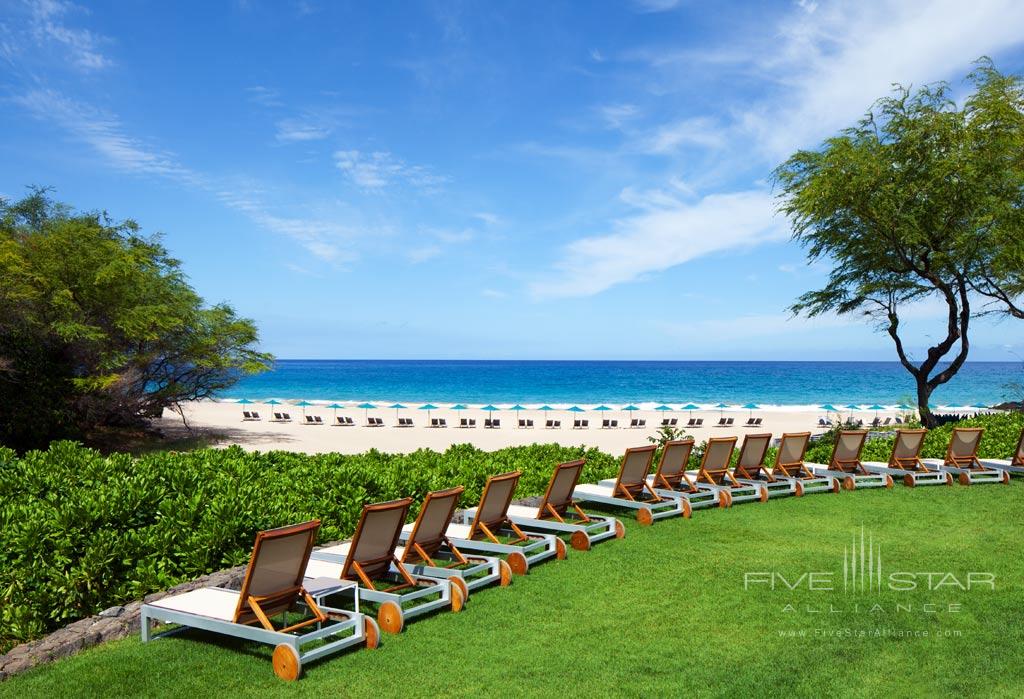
664, 612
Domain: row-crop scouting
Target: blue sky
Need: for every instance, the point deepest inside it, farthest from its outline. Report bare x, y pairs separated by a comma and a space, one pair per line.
478, 179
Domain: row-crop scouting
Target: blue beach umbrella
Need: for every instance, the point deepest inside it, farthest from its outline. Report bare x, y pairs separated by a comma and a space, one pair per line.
545, 408
396, 407
428, 407
459, 406
576, 409
691, 407
751, 407
244, 401
303, 404
662, 408
490, 408
366, 408
517, 408
335, 407
721, 407
828, 408
876, 407
602, 408
272, 402
904, 406
630, 408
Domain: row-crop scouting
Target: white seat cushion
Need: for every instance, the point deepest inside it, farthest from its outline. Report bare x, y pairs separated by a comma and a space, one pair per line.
458, 531
338, 549
322, 569
522, 511
592, 489
212, 602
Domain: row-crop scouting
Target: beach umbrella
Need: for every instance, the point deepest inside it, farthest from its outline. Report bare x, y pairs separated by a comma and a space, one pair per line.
335, 407
459, 406
630, 408
691, 407
851, 407
876, 407
490, 408
904, 406
721, 407
272, 402
576, 409
751, 407
545, 408
662, 408
428, 407
244, 401
396, 407
303, 404
366, 408
828, 408
517, 408
602, 408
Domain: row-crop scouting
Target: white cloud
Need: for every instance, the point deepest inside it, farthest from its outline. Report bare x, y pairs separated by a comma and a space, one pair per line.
47, 26
295, 129
695, 131
487, 217
267, 96
660, 238
380, 169
596, 56
616, 115
656, 5
423, 253
494, 294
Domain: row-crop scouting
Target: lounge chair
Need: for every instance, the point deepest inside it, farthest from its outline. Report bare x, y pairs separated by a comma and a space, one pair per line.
631, 490
340, 421
821, 422
444, 423
888, 421
692, 422
606, 424
350, 422
750, 422
576, 424
488, 529
634, 423
370, 422
273, 585
899, 420
962, 459
721, 422
789, 467
585, 425
463, 423
249, 415
673, 422
369, 559
278, 417
1014, 465
522, 424
558, 513
615, 424
700, 422
309, 420
905, 462
426, 549
487, 424
758, 421
845, 463
318, 420
670, 478
472, 423
714, 472
434, 422
642, 423
529, 424
728, 422
664, 422
549, 425
751, 469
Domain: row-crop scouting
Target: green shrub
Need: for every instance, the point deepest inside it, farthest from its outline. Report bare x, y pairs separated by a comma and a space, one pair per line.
80, 532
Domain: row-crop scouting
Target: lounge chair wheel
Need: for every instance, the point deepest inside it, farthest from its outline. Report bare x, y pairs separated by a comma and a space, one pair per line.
1006, 478
458, 597
371, 631
579, 541
835, 485
764, 494
888, 481
620, 530
518, 563
965, 479
458, 582
908, 480
800, 490
505, 573
286, 662
560, 551
949, 479
687, 510
849, 483
643, 516
390, 617
723, 498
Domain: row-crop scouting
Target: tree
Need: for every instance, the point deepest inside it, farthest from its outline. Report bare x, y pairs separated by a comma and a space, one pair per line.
99, 326
922, 199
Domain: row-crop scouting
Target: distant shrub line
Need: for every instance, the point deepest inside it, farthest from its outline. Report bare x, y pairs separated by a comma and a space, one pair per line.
80, 532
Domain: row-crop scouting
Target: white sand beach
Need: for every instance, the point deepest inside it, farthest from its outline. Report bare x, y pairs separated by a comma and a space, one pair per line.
224, 419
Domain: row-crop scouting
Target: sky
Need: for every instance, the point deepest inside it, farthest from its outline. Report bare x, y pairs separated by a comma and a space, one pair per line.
548, 180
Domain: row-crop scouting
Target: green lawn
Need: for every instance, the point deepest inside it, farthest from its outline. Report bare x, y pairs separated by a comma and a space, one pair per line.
664, 611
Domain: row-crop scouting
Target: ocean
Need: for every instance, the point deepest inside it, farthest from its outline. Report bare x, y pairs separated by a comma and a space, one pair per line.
643, 383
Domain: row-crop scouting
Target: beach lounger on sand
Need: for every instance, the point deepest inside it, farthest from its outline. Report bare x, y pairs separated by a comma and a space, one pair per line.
789, 467
670, 478
962, 459
426, 550
905, 462
522, 424
630, 490
558, 513
488, 529
714, 472
845, 463
1014, 465
751, 469
273, 585
369, 559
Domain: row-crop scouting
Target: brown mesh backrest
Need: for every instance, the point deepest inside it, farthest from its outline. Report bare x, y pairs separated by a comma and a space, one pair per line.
963, 445
373, 544
493, 509
906, 450
1018, 458
846, 452
636, 464
714, 467
274, 575
790, 457
675, 457
559, 493
752, 453
431, 523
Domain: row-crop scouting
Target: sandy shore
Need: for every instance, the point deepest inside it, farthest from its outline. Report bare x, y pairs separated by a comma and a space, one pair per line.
224, 419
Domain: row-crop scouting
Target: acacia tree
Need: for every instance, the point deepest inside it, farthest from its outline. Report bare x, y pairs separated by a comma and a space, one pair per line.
922, 199
99, 326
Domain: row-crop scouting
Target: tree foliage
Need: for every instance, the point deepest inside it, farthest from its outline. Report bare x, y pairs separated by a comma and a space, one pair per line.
922, 199
99, 326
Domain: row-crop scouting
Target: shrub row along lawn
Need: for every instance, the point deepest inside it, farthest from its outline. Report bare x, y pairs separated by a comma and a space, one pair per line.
80, 532
665, 612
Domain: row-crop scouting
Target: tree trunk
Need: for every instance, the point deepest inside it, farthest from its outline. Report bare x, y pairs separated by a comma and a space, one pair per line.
924, 393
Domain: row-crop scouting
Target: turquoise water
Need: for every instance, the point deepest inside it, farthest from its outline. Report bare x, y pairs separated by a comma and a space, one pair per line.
619, 382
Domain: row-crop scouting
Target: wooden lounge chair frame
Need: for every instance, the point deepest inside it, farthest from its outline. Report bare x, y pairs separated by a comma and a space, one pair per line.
905, 462
966, 466
794, 470
714, 472
1014, 465
631, 490
425, 592
427, 550
670, 477
751, 468
254, 611
559, 514
845, 463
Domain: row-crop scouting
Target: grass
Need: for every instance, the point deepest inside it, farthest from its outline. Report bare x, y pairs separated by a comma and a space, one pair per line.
664, 611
